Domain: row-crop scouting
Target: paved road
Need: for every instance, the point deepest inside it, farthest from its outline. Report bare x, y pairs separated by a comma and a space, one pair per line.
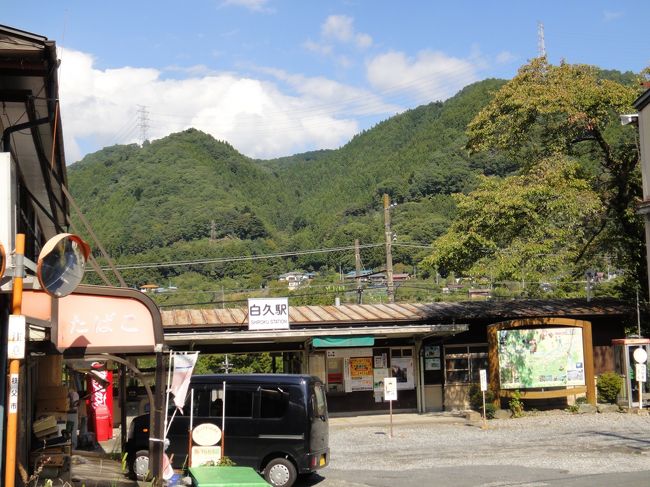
559, 449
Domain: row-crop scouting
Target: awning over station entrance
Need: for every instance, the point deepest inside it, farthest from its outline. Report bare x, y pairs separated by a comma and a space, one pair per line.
337, 342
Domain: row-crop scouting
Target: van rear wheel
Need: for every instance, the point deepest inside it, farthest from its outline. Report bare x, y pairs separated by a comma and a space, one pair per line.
280, 472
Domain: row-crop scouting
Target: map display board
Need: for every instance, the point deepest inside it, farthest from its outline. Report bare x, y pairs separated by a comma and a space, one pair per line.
541, 357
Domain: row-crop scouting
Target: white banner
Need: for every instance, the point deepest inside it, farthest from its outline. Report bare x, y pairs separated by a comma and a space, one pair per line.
268, 314
183, 367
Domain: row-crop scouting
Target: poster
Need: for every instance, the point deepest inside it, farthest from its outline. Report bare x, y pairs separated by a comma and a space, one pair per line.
361, 375
378, 379
402, 369
541, 357
432, 363
432, 351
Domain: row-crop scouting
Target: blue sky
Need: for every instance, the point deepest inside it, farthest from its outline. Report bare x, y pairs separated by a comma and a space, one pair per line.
278, 77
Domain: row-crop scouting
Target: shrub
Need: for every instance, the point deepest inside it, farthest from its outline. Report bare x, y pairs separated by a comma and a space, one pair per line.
476, 401
515, 405
609, 385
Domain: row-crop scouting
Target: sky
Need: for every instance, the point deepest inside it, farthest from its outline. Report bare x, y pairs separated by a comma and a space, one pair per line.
280, 77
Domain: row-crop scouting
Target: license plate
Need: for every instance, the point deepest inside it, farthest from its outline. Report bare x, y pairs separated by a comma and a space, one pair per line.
322, 461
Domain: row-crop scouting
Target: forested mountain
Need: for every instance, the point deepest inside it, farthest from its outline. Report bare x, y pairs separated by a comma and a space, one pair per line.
163, 201
533, 178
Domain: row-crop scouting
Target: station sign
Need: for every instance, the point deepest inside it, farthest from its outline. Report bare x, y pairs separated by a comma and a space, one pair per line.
268, 314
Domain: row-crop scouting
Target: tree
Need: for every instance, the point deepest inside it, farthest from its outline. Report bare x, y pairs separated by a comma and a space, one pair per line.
571, 110
528, 226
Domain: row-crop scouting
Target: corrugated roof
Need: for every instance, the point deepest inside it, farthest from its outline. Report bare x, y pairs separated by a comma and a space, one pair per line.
414, 313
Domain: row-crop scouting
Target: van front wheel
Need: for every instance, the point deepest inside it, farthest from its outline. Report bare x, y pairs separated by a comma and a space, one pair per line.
280, 472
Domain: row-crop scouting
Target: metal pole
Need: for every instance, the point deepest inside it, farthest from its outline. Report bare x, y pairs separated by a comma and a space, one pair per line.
390, 293
390, 406
189, 446
14, 368
223, 422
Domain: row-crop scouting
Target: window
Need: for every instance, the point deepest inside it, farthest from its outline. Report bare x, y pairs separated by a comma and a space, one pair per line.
318, 401
463, 362
239, 403
401, 352
273, 403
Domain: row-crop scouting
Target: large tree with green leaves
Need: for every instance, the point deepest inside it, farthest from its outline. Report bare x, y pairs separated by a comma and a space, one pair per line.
527, 227
573, 111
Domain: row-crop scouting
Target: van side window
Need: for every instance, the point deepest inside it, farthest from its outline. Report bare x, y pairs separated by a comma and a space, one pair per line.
239, 403
273, 403
318, 400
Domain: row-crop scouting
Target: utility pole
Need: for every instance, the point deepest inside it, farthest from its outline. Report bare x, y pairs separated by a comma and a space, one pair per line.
357, 264
390, 291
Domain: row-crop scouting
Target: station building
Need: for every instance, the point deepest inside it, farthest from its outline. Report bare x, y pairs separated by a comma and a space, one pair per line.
435, 350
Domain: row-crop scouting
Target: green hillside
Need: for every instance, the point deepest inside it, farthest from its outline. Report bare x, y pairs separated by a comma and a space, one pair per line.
161, 202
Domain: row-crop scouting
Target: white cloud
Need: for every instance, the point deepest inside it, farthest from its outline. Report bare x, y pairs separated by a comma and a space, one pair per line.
340, 28
99, 108
505, 57
430, 76
253, 5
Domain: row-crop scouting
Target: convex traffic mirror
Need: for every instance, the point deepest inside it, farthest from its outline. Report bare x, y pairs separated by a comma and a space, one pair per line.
61, 264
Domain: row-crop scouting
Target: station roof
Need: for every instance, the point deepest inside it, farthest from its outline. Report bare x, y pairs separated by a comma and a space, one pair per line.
397, 320
396, 313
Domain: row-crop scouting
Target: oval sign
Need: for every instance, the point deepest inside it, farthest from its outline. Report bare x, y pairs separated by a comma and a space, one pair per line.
206, 434
640, 355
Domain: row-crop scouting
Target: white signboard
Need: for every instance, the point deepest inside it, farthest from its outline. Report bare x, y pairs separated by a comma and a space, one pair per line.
483, 377
640, 355
640, 372
390, 389
13, 394
16, 339
268, 314
205, 455
206, 434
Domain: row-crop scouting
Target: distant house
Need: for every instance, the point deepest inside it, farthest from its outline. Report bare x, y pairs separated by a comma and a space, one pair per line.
397, 277
479, 294
295, 279
147, 288
452, 288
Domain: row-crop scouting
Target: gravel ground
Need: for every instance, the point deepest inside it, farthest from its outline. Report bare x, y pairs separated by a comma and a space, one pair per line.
574, 443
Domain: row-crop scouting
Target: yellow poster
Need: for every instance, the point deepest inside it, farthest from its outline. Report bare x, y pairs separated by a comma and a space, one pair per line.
361, 373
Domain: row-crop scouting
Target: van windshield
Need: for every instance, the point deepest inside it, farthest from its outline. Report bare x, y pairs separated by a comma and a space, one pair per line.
320, 406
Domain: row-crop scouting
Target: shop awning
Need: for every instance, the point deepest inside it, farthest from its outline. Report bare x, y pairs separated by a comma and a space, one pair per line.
337, 342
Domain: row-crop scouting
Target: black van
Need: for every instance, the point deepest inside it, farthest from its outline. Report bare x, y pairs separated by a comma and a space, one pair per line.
275, 423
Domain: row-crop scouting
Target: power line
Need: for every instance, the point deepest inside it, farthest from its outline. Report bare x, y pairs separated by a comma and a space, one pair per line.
221, 260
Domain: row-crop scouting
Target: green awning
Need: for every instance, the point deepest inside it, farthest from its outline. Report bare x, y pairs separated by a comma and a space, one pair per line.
337, 342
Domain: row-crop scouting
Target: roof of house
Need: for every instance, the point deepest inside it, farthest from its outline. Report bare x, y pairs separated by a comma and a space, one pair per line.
32, 129
641, 102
